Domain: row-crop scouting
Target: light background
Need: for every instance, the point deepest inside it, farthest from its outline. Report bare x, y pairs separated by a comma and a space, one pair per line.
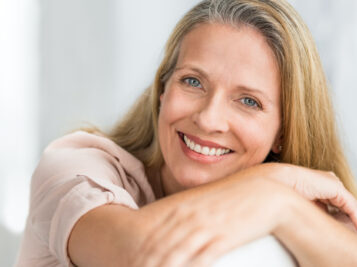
67, 62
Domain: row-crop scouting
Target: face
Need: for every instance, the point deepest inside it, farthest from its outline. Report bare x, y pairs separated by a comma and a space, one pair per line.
220, 110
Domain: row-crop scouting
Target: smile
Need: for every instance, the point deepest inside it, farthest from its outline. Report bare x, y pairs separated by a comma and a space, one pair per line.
204, 150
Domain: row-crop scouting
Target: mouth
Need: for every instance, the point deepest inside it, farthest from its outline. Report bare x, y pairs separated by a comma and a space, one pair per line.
204, 148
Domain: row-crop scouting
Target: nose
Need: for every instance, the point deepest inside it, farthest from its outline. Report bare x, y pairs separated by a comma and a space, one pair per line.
211, 115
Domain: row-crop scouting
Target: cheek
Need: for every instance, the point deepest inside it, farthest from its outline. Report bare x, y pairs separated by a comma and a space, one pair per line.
174, 106
173, 109
257, 135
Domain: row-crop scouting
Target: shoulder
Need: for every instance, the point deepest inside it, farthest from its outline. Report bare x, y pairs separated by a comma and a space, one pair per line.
94, 156
76, 173
94, 145
84, 140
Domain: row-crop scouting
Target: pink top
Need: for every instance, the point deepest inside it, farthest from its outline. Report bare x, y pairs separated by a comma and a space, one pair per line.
77, 173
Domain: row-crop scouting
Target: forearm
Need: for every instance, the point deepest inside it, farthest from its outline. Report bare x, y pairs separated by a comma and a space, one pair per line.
102, 237
316, 238
109, 235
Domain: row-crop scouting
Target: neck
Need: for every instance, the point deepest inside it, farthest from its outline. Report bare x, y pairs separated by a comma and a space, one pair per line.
168, 182
154, 179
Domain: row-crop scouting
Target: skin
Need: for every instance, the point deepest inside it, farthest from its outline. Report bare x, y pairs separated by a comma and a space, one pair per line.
170, 231
225, 88
191, 226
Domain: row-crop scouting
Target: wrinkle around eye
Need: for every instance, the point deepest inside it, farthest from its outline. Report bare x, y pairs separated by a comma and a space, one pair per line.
256, 104
190, 82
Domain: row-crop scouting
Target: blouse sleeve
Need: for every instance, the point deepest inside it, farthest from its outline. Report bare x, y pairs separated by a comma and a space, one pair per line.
76, 174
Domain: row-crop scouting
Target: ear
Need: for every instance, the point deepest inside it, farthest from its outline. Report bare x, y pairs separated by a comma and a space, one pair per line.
161, 97
277, 146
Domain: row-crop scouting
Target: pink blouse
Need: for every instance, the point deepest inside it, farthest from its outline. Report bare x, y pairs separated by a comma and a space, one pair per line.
77, 172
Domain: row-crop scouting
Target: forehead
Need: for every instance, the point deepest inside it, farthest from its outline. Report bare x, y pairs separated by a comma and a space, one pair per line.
236, 54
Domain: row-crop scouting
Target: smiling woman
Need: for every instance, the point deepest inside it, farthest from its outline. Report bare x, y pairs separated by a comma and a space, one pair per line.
233, 142
216, 103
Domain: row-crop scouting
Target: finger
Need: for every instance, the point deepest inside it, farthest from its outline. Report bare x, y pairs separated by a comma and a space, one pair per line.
181, 252
346, 202
345, 220
166, 235
334, 176
327, 206
146, 256
325, 201
351, 208
166, 221
331, 209
321, 205
210, 253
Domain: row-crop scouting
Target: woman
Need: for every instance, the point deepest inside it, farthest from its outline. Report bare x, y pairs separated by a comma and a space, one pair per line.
234, 141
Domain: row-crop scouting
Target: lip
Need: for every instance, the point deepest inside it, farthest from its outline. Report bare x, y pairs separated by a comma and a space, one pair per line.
203, 142
200, 157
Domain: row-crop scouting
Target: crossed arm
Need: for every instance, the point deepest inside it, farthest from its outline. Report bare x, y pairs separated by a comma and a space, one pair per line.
199, 225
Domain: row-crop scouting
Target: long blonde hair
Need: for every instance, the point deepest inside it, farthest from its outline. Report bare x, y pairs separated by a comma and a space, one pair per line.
309, 134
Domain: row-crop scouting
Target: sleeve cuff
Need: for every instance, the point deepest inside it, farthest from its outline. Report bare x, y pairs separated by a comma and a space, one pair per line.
88, 194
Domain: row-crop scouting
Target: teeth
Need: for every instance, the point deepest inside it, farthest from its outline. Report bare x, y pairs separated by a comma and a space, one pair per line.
204, 150
212, 152
197, 148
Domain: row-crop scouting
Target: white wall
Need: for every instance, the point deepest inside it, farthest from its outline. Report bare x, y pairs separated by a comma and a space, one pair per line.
88, 60
18, 117
97, 56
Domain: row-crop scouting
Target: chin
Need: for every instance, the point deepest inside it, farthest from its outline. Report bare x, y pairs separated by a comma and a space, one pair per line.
193, 178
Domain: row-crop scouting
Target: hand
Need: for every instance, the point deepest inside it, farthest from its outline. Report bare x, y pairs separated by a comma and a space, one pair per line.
232, 212
345, 220
319, 186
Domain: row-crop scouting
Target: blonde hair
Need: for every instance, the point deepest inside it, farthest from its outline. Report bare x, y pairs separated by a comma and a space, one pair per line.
309, 135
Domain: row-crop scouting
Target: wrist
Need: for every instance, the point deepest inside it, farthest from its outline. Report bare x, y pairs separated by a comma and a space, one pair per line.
282, 173
290, 211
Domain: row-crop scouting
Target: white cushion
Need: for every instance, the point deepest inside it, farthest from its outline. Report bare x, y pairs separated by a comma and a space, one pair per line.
267, 251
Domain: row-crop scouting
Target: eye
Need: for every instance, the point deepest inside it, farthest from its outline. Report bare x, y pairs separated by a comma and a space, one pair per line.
192, 82
250, 102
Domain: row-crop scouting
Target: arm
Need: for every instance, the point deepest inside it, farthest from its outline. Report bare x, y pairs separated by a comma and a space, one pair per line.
317, 239
125, 234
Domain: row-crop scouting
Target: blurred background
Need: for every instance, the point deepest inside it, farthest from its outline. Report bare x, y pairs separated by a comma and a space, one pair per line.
67, 63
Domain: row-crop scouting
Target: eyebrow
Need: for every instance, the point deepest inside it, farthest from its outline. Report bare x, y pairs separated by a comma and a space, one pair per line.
240, 87
195, 69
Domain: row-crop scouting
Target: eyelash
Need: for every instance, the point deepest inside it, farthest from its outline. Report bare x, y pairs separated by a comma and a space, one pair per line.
256, 105
186, 82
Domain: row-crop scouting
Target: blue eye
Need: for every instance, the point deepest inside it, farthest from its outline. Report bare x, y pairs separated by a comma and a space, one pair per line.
250, 102
193, 82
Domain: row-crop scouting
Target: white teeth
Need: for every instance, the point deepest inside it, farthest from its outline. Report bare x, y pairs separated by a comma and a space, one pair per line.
218, 152
205, 150
212, 152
